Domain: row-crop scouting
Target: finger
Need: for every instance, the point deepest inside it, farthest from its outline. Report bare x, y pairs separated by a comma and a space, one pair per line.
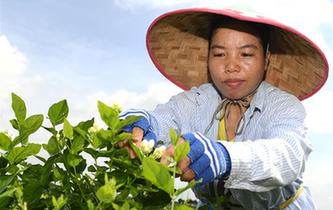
180, 141
167, 153
132, 153
137, 135
188, 175
184, 163
121, 143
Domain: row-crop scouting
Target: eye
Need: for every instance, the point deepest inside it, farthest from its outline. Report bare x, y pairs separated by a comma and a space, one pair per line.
245, 54
218, 54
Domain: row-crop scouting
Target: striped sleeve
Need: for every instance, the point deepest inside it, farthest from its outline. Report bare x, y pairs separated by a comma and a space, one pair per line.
177, 113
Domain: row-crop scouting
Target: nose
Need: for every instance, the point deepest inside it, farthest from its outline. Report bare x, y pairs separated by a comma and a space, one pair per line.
232, 65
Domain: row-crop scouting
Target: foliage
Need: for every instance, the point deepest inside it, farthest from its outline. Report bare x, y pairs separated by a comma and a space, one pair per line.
84, 168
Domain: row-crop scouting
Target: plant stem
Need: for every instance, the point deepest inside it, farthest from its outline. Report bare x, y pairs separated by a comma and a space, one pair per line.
173, 197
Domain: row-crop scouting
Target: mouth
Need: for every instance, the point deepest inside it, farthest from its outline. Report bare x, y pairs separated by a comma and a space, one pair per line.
233, 83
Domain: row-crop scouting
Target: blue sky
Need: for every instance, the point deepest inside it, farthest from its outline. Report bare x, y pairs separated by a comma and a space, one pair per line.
85, 51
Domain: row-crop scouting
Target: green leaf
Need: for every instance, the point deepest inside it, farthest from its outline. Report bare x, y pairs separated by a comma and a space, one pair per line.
108, 115
40, 158
48, 166
125, 206
94, 153
14, 124
58, 203
91, 168
5, 180
77, 145
183, 207
96, 142
8, 193
18, 154
58, 173
173, 136
12, 169
52, 146
91, 205
121, 137
32, 190
126, 164
158, 174
183, 189
181, 150
51, 130
85, 125
4, 142
128, 121
73, 160
81, 167
154, 200
108, 192
5, 202
68, 129
17, 140
19, 108
31, 125
3, 162
58, 112
137, 150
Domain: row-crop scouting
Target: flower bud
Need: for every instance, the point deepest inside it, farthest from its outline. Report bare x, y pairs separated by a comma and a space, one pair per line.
94, 129
116, 107
158, 152
147, 146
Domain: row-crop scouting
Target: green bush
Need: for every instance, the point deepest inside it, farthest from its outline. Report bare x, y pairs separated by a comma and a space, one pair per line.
66, 180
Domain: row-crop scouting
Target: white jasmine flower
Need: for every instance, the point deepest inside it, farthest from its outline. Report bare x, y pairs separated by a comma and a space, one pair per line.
94, 129
116, 107
158, 152
147, 146
171, 164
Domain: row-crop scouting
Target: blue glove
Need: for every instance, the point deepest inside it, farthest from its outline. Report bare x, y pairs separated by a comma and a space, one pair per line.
209, 158
143, 123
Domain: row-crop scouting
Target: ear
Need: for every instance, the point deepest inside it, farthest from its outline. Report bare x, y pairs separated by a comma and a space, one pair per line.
267, 58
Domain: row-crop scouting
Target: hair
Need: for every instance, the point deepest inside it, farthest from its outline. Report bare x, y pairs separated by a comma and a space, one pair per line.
260, 28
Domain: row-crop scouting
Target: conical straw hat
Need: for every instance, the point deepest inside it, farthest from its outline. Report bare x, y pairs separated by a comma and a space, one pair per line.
177, 43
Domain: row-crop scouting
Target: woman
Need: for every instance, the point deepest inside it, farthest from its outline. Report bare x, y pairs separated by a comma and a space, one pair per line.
242, 115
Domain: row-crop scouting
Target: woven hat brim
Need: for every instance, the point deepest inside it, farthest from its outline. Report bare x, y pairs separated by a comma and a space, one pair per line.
177, 43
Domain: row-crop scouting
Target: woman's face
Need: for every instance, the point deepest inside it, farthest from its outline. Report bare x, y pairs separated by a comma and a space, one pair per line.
236, 60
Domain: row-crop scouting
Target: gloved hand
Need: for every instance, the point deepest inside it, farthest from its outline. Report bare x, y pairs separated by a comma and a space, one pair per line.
143, 123
209, 158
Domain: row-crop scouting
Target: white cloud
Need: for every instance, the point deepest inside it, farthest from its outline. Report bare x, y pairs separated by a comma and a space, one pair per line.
12, 61
133, 4
14, 77
319, 114
156, 93
319, 106
318, 177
